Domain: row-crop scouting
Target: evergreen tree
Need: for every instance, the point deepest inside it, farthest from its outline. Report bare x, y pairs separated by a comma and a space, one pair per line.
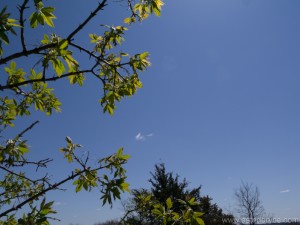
166, 185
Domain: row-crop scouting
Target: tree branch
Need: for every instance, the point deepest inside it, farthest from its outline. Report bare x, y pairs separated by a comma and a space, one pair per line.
18, 175
44, 47
93, 14
26, 53
51, 187
20, 163
10, 86
91, 54
22, 21
27, 129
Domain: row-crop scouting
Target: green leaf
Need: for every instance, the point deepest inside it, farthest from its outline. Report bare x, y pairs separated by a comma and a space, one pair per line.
4, 37
69, 140
169, 203
119, 153
127, 20
58, 66
125, 187
157, 212
199, 221
110, 110
144, 55
79, 186
198, 214
47, 20
33, 20
23, 149
156, 11
63, 44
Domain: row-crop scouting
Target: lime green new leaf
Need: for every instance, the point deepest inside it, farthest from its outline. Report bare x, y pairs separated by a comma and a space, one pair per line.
158, 3
110, 110
42, 15
144, 55
119, 153
125, 187
198, 214
128, 20
47, 20
45, 40
79, 187
23, 149
63, 44
199, 221
169, 203
58, 66
77, 79
155, 10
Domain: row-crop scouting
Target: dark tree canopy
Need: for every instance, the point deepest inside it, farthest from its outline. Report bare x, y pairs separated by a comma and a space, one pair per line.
165, 185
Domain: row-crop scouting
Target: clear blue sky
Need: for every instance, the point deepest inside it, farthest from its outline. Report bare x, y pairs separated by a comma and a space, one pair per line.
220, 103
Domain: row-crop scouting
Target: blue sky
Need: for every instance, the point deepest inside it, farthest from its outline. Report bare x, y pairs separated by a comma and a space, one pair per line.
220, 103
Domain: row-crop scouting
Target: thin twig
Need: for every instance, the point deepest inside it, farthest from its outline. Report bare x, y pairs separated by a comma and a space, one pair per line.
20, 163
91, 54
22, 21
18, 175
27, 129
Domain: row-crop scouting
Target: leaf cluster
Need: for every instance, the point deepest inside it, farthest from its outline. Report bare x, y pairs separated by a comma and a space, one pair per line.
6, 26
25, 89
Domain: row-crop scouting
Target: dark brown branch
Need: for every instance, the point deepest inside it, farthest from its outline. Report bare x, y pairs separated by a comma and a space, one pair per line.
44, 47
27, 129
26, 53
126, 214
91, 54
18, 175
93, 14
80, 162
131, 9
98, 58
52, 187
98, 77
10, 86
22, 21
20, 163
44, 73
19, 206
11, 198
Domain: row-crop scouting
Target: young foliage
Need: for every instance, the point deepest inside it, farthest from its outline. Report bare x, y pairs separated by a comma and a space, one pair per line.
29, 88
6, 27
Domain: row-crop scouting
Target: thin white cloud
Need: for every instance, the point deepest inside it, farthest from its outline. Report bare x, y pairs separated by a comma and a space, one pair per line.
284, 191
141, 137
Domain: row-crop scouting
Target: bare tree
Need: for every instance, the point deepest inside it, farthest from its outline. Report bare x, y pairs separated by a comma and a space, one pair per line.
250, 207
